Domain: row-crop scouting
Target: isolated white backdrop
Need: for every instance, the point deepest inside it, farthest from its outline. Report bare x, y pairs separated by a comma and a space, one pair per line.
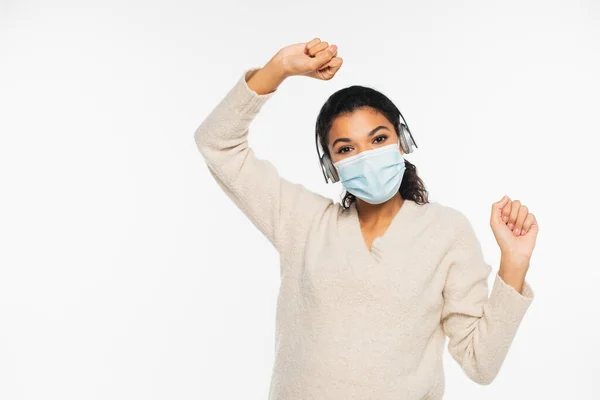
126, 273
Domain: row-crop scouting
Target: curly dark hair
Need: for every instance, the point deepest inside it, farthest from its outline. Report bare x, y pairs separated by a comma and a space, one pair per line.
347, 100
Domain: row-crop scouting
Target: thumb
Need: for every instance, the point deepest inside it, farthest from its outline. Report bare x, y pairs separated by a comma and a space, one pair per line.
497, 210
323, 57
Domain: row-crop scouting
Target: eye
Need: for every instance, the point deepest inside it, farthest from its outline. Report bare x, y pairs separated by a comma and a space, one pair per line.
383, 137
341, 149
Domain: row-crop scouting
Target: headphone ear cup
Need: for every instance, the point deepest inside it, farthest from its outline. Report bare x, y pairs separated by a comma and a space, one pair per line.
408, 145
402, 138
334, 172
329, 168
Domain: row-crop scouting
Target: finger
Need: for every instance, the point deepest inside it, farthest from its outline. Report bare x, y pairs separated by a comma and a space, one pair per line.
529, 220
323, 57
335, 52
329, 72
310, 44
317, 48
521, 215
335, 61
497, 208
514, 211
335, 64
506, 210
535, 226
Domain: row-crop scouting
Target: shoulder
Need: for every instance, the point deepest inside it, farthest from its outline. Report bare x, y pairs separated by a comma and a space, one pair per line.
439, 212
461, 228
451, 218
452, 215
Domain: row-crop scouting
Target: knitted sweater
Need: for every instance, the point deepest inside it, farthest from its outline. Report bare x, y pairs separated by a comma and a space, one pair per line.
354, 322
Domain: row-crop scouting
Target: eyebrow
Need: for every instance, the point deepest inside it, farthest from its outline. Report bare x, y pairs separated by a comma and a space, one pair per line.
347, 140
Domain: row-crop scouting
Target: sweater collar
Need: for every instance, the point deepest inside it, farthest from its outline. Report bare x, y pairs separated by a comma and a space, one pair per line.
355, 246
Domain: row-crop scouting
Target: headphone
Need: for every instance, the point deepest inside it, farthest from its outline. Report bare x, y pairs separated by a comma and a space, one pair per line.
407, 142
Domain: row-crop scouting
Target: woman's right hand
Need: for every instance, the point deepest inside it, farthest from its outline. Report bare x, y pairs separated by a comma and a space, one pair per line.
315, 59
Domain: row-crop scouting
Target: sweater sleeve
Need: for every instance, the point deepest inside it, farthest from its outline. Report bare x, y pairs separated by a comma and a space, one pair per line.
480, 328
273, 204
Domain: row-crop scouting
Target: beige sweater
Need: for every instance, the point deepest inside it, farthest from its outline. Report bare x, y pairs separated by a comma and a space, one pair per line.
353, 323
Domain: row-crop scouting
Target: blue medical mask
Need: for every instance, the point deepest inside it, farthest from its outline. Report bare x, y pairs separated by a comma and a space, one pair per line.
373, 175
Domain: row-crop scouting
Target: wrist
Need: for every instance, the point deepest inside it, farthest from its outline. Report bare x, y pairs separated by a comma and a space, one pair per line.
514, 261
266, 80
513, 266
275, 65
513, 270
276, 70
514, 278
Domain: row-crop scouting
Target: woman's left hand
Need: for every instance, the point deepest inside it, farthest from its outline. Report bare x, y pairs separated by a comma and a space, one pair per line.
515, 229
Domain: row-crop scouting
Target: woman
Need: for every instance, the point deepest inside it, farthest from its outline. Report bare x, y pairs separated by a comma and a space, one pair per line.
371, 287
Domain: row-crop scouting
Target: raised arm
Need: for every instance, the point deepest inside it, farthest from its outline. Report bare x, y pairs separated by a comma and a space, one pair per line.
480, 328
275, 205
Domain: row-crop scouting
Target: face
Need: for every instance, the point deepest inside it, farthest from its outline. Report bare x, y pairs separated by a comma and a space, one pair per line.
364, 129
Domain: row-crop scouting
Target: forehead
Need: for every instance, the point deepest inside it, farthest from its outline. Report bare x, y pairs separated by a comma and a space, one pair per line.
358, 124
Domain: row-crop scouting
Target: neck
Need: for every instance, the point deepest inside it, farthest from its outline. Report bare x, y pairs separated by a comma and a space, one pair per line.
371, 215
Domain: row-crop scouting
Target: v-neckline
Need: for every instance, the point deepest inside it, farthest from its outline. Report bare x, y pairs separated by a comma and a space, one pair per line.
352, 236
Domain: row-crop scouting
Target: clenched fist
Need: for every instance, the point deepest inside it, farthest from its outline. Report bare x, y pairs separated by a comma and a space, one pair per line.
515, 229
315, 59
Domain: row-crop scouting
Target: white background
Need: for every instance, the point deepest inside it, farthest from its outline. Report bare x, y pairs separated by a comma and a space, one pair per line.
125, 271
